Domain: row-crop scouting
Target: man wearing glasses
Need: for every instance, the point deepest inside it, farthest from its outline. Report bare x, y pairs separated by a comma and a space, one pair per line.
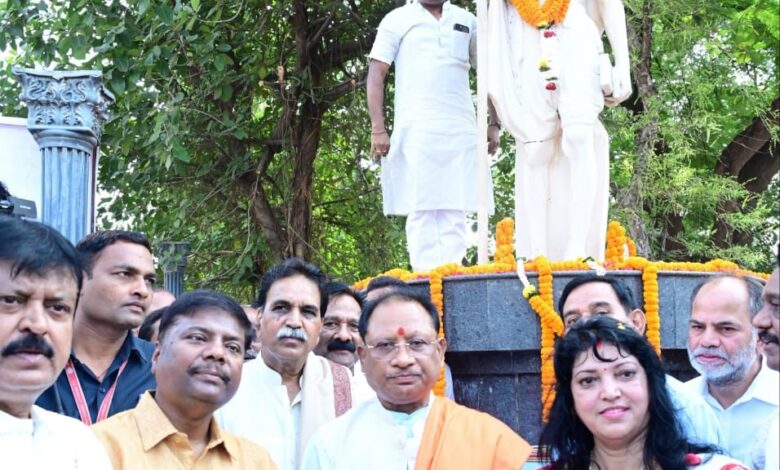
405, 426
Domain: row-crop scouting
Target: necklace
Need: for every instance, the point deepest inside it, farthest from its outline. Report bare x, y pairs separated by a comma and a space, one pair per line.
541, 16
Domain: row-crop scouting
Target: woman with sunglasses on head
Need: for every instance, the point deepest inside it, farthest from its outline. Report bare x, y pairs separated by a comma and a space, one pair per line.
612, 411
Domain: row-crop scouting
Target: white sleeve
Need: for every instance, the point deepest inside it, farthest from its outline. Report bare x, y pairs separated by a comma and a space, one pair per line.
387, 41
316, 456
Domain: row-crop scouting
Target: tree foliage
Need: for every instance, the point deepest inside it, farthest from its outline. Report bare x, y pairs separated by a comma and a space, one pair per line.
240, 126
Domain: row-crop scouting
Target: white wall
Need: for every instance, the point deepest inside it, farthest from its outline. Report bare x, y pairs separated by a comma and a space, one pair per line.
20, 161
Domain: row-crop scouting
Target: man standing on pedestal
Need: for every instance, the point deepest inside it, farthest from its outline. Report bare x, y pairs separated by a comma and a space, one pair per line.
109, 367
429, 165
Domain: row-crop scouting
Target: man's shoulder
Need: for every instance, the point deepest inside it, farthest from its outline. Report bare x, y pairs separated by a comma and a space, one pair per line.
145, 348
57, 423
475, 421
685, 393
251, 455
121, 422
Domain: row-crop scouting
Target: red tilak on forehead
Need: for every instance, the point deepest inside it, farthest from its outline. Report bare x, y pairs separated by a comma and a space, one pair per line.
598, 344
401, 331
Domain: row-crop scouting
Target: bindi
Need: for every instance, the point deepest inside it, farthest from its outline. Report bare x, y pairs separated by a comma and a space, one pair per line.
401, 331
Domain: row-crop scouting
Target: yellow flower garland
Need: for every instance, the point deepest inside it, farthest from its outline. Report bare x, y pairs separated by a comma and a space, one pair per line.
652, 306
541, 16
541, 301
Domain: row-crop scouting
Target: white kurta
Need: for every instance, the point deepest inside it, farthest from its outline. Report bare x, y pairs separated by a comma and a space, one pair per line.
262, 411
752, 412
698, 420
533, 115
432, 164
49, 441
368, 436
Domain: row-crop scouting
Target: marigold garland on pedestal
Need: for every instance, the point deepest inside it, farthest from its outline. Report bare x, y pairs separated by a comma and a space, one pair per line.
541, 300
652, 306
505, 236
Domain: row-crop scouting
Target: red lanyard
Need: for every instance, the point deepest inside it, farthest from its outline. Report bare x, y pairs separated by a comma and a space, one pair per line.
81, 401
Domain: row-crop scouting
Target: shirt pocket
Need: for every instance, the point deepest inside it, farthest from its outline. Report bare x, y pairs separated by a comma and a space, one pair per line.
460, 45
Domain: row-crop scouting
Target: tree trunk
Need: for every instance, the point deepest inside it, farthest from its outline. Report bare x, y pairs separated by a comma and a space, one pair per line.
752, 159
631, 200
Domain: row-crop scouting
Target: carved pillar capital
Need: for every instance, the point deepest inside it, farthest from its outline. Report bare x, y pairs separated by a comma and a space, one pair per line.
65, 101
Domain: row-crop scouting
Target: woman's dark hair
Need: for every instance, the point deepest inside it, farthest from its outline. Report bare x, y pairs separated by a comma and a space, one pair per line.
568, 439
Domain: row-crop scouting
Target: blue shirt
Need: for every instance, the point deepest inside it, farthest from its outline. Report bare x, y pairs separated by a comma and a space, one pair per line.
135, 380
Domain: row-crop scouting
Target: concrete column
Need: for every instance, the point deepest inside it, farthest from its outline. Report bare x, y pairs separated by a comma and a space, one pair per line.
66, 112
173, 257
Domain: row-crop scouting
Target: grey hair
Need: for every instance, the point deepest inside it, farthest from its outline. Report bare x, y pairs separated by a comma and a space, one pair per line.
754, 287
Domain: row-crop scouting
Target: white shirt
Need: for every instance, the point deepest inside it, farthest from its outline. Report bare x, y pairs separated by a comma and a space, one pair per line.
433, 153
698, 420
767, 446
368, 436
262, 412
740, 422
49, 441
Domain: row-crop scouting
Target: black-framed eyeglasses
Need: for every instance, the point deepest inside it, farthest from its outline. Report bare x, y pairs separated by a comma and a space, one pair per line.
416, 347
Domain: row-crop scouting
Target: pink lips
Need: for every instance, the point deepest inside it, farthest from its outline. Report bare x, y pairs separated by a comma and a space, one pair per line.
614, 411
709, 359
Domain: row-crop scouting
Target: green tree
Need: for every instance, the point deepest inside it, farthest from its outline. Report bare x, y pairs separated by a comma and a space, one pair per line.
240, 126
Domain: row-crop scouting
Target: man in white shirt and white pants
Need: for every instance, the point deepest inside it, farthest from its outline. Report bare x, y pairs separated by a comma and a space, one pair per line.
40, 279
429, 165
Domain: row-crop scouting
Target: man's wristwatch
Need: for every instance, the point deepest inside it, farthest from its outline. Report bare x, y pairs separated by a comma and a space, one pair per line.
494, 123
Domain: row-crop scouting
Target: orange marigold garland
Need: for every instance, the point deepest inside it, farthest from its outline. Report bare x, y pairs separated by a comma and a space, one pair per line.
541, 16
652, 309
505, 235
541, 302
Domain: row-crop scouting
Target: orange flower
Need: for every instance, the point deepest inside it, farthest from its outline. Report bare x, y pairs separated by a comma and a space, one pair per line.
541, 16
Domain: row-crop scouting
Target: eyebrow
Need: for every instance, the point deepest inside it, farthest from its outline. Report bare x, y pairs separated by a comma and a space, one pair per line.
134, 270
615, 364
209, 332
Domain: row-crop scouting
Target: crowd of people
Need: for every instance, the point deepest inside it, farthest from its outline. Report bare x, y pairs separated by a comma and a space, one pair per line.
343, 379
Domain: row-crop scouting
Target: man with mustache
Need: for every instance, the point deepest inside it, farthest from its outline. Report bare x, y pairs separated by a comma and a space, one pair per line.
767, 321
288, 392
109, 367
200, 352
40, 279
405, 426
339, 336
734, 381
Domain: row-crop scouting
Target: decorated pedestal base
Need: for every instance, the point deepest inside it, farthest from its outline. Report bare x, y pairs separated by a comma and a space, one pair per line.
499, 349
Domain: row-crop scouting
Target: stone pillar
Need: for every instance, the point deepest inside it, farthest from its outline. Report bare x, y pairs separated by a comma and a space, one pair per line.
173, 257
66, 112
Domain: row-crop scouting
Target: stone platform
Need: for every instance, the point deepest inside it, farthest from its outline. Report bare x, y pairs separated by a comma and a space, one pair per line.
493, 339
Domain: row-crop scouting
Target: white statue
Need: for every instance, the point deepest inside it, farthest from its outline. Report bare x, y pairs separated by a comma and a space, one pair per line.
549, 81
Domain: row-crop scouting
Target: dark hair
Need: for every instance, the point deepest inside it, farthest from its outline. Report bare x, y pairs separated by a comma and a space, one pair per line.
336, 289
623, 293
147, 327
90, 246
403, 294
190, 303
294, 267
754, 289
568, 439
35, 248
384, 281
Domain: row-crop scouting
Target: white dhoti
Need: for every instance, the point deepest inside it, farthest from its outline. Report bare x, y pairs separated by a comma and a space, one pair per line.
562, 159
